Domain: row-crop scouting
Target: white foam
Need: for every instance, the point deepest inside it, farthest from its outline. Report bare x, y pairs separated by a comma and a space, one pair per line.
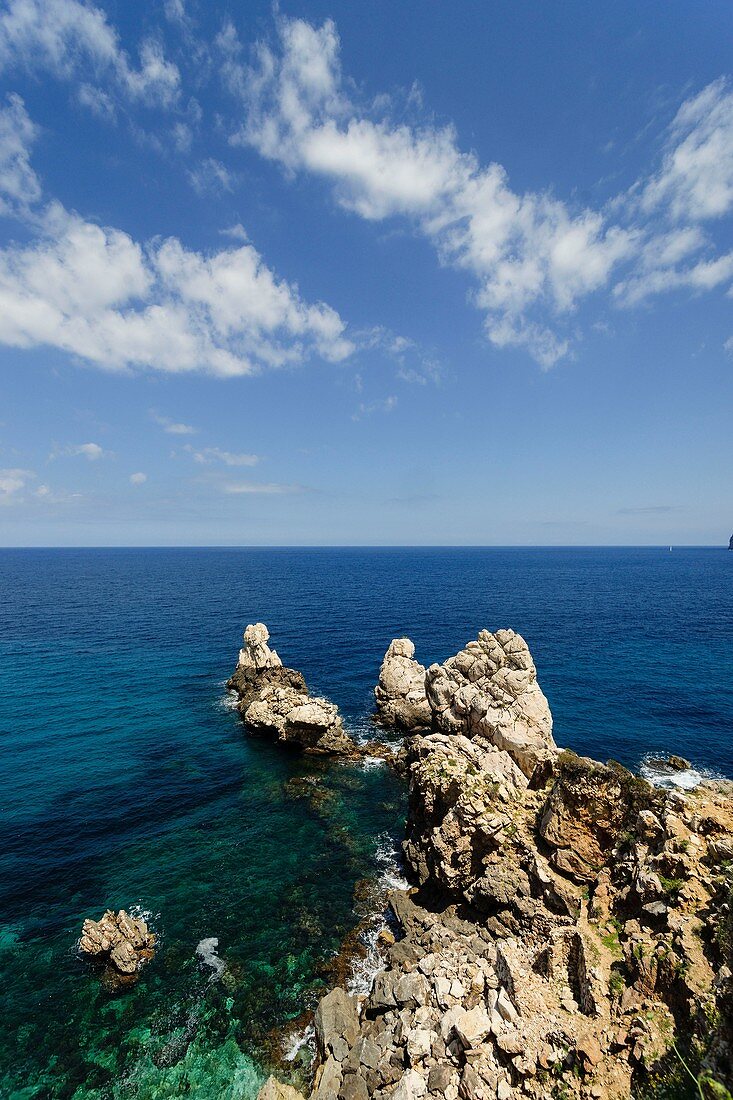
228, 701
296, 1041
207, 952
365, 969
369, 762
658, 774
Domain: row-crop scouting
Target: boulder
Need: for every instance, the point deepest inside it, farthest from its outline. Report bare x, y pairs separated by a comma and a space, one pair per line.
400, 693
123, 941
336, 1024
490, 690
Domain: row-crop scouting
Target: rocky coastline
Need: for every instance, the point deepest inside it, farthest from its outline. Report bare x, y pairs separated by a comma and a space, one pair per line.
569, 930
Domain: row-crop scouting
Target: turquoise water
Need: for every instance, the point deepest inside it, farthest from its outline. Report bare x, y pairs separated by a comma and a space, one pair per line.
126, 780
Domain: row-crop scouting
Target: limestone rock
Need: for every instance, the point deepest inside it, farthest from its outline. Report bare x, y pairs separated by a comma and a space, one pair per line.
256, 654
400, 693
490, 690
336, 1023
275, 1090
461, 800
274, 700
312, 724
121, 940
586, 812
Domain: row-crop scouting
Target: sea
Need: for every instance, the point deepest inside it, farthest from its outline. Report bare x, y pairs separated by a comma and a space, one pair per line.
127, 779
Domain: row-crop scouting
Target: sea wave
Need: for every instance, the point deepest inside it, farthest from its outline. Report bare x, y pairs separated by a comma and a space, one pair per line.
366, 967
659, 773
225, 699
296, 1040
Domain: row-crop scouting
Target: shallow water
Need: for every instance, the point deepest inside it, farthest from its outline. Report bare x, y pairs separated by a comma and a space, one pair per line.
126, 778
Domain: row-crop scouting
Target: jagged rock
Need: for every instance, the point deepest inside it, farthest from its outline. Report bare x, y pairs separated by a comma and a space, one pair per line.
274, 700
490, 690
276, 1090
586, 812
256, 654
400, 693
505, 976
460, 812
312, 724
122, 940
336, 1023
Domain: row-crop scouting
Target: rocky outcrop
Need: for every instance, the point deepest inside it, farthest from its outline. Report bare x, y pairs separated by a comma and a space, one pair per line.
401, 702
490, 690
569, 921
274, 701
123, 942
296, 718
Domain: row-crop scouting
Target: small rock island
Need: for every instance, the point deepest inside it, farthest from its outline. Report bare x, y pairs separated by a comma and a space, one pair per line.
275, 701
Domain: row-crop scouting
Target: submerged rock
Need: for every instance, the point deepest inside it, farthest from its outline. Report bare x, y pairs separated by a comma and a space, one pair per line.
400, 693
274, 700
123, 941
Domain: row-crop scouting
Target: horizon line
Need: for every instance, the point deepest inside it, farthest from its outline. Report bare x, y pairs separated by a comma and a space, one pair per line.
376, 546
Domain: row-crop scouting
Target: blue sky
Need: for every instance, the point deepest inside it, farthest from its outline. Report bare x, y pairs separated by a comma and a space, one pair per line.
335, 274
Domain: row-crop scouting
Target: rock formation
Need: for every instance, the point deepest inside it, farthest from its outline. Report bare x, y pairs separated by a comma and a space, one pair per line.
274, 700
122, 941
400, 693
569, 922
490, 690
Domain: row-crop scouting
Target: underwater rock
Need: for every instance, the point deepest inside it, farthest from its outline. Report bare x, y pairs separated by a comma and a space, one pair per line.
119, 939
400, 693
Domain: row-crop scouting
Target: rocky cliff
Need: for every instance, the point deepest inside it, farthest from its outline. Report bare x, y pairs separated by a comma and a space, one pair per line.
569, 926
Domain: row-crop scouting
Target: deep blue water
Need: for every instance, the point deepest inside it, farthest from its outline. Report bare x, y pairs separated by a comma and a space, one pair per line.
125, 780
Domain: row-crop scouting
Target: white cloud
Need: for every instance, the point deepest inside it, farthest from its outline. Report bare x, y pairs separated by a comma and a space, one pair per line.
96, 293
67, 37
527, 252
91, 451
210, 177
533, 257
12, 484
172, 427
138, 479
19, 184
228, 458
384, 405
695, 181
238, 488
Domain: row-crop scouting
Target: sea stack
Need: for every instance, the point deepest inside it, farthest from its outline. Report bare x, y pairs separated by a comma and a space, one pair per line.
401, 702
274, 701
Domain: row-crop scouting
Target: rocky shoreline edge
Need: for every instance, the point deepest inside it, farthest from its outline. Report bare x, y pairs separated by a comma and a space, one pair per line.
569, 932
